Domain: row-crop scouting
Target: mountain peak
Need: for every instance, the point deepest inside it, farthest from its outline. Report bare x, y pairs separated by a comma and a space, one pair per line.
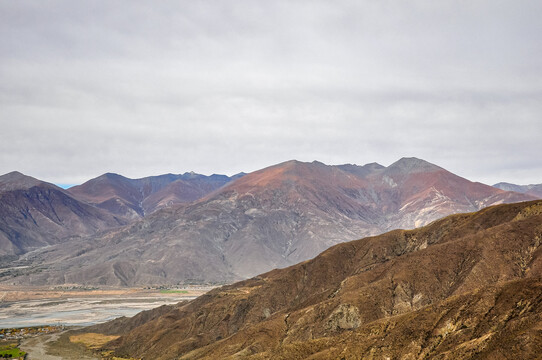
374, 165
191, 175
292, 162
290, 166
17, 181
531, 189
509, 187
284, 174
13, 173
361, 170
110, 175
412, 165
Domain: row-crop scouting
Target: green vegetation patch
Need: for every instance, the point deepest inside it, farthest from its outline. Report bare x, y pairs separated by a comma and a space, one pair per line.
11, 351
171, 291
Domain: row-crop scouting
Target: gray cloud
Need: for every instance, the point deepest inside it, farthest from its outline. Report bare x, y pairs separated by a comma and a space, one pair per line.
144, 88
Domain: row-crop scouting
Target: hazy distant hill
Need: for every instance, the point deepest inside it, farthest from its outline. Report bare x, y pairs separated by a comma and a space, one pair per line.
274, 217
135, 198
34, 214
467, 286
533, 189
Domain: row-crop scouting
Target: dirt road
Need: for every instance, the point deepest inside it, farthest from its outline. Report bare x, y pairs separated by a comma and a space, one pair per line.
54, 347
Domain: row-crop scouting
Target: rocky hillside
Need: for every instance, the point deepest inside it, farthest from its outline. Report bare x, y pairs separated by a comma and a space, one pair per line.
271, 218
467, 286
35, 214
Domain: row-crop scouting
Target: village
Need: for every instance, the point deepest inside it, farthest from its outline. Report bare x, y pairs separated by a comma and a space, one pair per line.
10, 338
20, 333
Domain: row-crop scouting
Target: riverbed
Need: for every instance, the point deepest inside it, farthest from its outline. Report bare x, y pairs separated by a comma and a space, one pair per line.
76, 311
76, 308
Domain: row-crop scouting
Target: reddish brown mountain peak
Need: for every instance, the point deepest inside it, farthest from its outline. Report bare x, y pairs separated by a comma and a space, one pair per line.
301, 167
263, 177
301, 173
293, 164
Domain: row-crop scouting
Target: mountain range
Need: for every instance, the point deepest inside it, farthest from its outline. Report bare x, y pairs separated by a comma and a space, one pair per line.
533, 189
35, 214
466, 286
235, 228
135, 198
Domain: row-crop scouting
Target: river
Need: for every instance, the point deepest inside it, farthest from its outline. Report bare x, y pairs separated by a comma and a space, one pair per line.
77, 311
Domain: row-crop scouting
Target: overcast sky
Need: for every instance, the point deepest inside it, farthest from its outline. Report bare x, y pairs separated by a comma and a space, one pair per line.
145, 88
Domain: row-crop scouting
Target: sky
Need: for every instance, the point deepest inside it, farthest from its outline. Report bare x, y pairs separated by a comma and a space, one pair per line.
144, 88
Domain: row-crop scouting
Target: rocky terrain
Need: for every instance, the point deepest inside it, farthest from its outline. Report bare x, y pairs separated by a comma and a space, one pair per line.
271, 218
466, 286
34, 214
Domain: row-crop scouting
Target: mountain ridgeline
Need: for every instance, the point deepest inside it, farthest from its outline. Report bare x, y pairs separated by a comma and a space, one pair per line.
533, 189
35, 214
135, 198
466, 286
271, 218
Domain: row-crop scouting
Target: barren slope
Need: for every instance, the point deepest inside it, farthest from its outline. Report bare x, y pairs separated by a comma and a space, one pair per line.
466, 286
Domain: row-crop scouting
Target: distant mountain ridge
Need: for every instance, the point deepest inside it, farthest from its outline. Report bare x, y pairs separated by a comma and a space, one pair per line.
135, 198
533, 189
34, 214
274, 217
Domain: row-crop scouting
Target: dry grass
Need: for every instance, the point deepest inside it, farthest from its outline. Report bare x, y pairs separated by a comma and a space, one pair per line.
93, 341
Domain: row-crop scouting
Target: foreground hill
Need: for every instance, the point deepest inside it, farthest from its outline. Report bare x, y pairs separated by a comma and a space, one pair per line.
135, 198
274, 217
467, 286
533, 189
35, 214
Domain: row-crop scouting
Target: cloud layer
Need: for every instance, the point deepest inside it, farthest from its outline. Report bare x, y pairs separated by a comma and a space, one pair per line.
144, 88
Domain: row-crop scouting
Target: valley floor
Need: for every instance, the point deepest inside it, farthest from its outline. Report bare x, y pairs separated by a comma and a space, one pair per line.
54, 347
35, 306
79, 306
